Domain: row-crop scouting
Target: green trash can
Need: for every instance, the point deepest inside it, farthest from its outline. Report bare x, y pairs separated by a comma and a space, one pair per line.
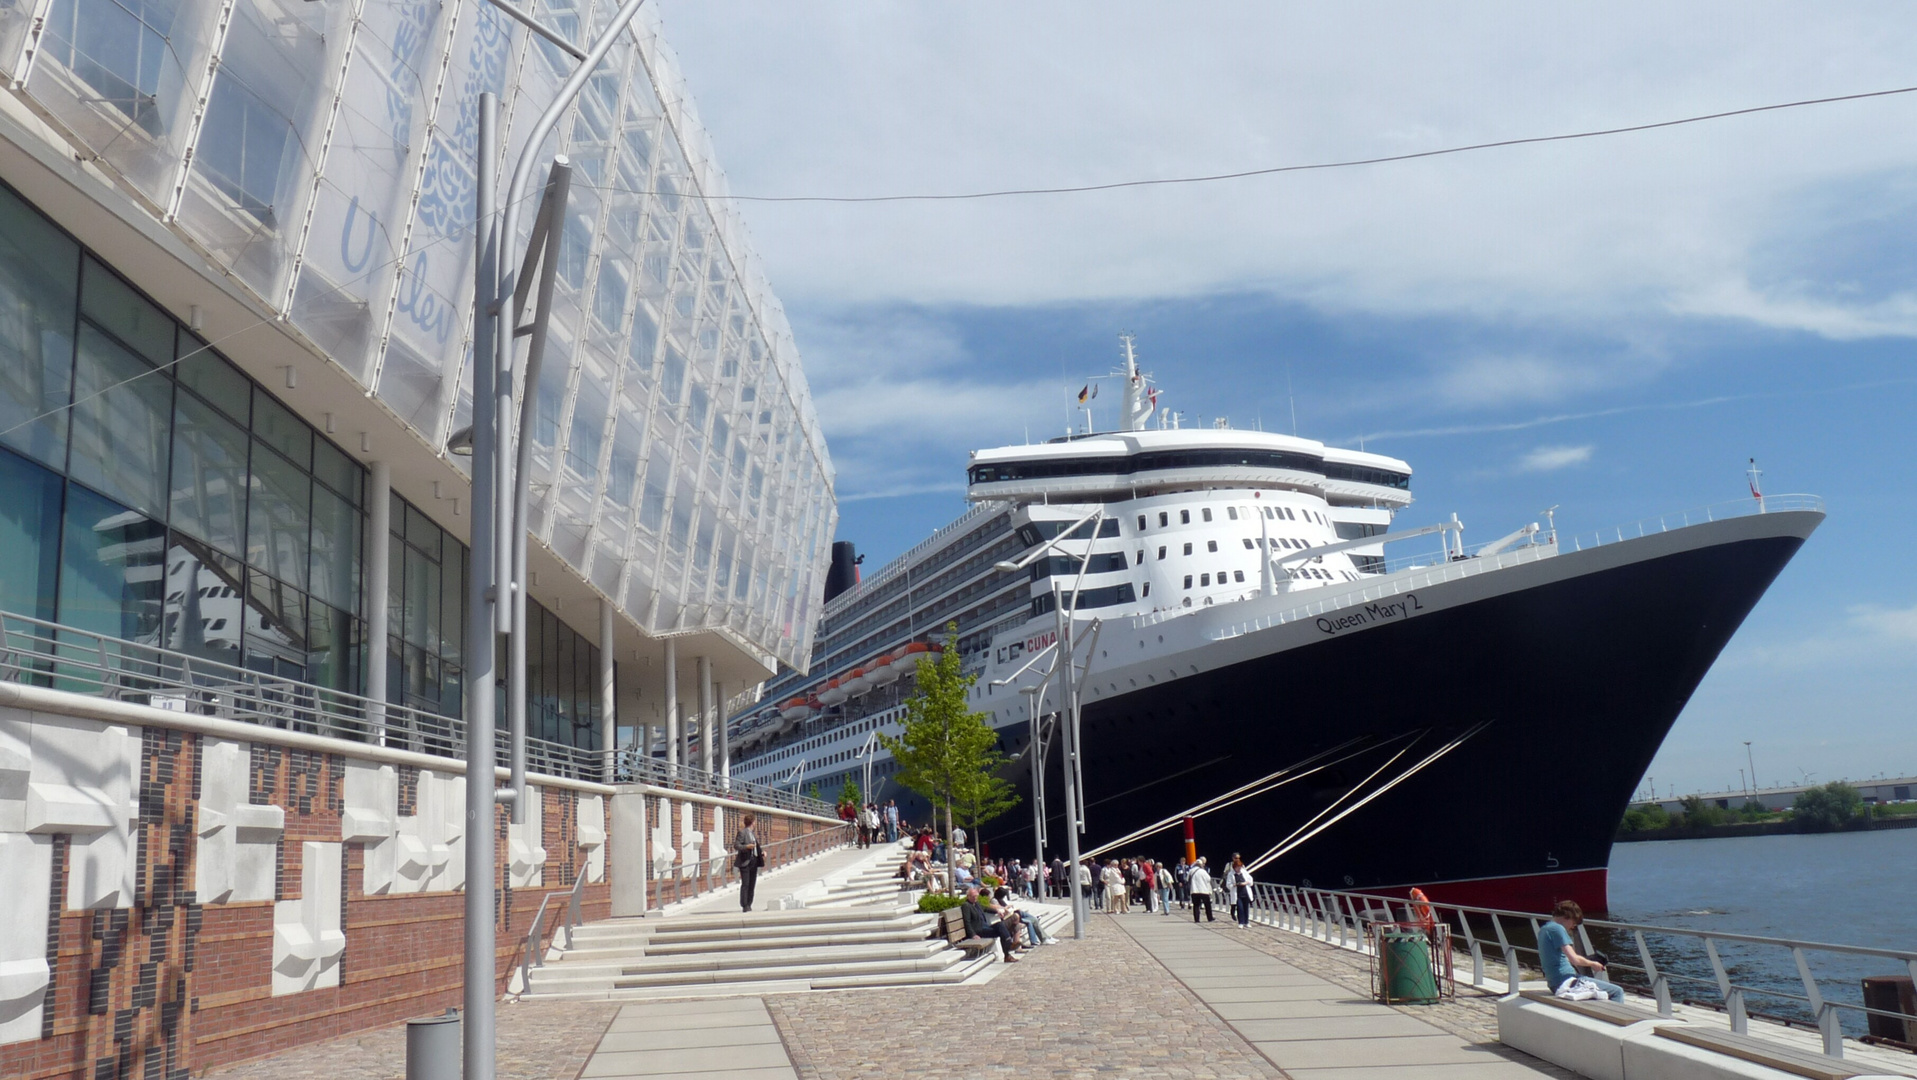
1404, 961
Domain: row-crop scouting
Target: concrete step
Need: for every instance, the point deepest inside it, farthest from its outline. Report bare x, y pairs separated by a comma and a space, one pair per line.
902, 935
566, 968
953, 975
544, 985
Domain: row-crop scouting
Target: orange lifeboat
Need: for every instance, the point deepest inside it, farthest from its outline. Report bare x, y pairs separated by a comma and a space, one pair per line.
906, 660
832, 693
795, 709
881, 671
856, 683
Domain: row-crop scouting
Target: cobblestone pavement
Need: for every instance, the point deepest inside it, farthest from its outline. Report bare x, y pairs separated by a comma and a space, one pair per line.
1079, 1009
1472, 1014
538, 1040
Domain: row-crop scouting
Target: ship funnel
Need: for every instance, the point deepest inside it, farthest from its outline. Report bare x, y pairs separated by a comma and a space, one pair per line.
844, 571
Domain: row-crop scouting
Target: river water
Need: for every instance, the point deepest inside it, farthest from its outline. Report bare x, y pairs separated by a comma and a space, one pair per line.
1843, 888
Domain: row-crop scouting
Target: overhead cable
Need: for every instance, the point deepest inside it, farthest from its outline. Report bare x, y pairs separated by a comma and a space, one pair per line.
1383, 159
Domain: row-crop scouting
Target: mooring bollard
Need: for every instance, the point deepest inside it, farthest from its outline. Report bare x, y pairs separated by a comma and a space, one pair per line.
433, 1047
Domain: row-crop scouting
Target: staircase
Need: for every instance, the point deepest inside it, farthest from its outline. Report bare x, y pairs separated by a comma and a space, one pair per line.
856, 928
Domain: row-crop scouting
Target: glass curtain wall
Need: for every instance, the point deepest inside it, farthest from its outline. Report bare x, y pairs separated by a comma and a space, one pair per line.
151, 492
426, 594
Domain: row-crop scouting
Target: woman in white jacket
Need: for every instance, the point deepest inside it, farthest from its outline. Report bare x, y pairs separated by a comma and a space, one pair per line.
1238, 887
1114, 878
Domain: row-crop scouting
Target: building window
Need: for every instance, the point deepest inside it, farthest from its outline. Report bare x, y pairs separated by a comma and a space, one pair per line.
1231, 512
1188, 547
1247, 543
1162, 520
1145, 589
1140, 561
1141, 523
1184, 517
1211, 545
1187, 581
1238, 575
1206, 511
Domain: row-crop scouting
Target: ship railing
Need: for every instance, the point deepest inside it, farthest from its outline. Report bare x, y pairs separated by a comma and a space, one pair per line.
1406, 578
1737, 508
36, 652
1716, 970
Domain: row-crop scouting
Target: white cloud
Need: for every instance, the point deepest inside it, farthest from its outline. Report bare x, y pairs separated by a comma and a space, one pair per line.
1552, 458
1895, 624
813, 97
1506, 380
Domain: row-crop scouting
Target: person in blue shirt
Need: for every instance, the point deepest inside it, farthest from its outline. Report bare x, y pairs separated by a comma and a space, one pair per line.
1560, 958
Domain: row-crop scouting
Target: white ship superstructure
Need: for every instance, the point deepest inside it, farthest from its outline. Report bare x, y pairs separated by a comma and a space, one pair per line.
1172, 519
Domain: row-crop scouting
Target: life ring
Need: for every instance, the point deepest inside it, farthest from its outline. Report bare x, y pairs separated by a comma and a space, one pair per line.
1421, 910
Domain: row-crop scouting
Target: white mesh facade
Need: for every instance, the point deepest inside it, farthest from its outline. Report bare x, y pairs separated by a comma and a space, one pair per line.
323, 151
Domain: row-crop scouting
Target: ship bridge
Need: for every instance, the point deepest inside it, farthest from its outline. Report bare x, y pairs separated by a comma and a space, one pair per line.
1130, 464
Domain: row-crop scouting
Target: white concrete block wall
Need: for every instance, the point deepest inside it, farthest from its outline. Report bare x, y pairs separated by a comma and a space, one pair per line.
308, 939
525, 843
371, 819
238, 859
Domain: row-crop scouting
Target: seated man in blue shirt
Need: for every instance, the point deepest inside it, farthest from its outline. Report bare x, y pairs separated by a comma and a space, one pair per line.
1560, 958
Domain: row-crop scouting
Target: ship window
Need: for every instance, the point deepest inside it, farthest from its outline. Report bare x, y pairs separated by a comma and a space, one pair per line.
1238, 575
1141, 523
1161, 551
1146, 589
1188, 547
1211, 545
1207, 512
1163, 520
1247, 543
1204, 579
1231, 512
1184, 517
1187, 581
1140, 561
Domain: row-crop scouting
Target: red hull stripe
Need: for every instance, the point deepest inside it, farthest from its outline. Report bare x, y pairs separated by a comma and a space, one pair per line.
1528, 892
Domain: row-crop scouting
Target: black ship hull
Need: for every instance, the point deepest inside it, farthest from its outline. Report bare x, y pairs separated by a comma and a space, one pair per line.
1571, 671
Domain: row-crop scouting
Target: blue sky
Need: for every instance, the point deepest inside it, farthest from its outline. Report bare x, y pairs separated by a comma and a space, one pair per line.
1612, 326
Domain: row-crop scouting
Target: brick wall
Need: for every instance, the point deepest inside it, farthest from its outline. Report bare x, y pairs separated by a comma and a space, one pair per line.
158, 984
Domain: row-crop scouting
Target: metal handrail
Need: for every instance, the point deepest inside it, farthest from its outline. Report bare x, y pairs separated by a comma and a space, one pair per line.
688, 874
530, 954
42, 653
1314, 912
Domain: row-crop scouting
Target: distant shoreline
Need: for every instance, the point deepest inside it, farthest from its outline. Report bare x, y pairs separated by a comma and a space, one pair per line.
1760, 828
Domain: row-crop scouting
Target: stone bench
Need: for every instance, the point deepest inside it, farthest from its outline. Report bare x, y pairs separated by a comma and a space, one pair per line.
1690, 1050
1586, 1037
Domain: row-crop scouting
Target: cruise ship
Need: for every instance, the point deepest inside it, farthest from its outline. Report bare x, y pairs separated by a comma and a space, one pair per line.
1252, 654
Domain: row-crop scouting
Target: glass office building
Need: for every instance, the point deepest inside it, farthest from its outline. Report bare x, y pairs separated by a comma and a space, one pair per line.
184, 457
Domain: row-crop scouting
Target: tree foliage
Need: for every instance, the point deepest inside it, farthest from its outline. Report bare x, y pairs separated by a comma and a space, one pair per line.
1648, 818
946, 752
849, 793
1826, 807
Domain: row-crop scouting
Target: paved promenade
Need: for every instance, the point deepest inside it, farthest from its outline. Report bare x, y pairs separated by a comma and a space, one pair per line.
1312, 1027
1142, 995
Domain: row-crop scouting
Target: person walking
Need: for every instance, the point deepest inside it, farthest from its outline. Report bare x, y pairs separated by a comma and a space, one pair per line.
747, 858
1151, 885
1200, 886
891, 821
1164, 888
1083, 876
1116, 900
1238, 889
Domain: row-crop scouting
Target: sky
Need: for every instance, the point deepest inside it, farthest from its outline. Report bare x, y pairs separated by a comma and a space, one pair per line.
1612, 326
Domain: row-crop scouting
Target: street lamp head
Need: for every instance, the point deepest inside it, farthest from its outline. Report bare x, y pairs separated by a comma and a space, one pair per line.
461, 442
1007, 566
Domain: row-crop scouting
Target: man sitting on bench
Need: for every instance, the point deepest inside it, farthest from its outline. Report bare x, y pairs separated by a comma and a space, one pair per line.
980, 923
1560, 958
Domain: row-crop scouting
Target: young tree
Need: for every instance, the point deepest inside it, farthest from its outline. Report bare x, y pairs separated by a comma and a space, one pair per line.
849, 793
947, 752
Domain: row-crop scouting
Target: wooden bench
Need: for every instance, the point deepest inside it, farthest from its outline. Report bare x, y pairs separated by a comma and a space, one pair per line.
952, 929
1790, 1059
1603, 1009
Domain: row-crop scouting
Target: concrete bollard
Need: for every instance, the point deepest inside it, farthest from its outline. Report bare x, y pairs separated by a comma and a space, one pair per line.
433, 1047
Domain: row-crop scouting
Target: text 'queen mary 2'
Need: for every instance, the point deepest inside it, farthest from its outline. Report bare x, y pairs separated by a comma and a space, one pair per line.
1473, 722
